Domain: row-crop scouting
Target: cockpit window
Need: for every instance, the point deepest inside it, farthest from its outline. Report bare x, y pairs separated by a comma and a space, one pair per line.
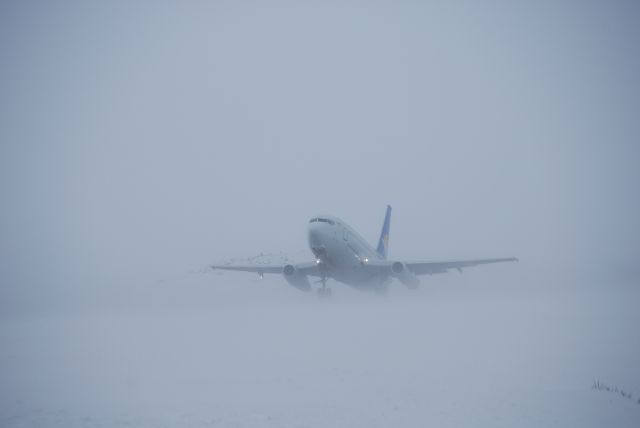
323, 220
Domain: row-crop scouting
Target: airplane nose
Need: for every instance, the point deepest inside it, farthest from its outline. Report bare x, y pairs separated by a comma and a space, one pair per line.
314, 236
316, 241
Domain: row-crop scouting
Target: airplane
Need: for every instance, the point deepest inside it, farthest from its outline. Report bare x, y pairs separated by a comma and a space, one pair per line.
345, 256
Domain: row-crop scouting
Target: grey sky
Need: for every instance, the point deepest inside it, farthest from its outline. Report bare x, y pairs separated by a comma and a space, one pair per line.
144, 138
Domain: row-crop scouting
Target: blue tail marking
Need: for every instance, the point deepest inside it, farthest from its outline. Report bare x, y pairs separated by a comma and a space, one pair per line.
383, 242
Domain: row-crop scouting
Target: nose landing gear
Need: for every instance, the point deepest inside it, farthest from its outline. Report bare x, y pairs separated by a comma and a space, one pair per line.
324, 291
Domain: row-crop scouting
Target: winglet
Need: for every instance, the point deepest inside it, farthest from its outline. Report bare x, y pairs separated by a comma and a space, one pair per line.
383, 242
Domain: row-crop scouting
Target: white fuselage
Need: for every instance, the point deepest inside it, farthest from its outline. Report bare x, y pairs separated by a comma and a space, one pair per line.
342, 252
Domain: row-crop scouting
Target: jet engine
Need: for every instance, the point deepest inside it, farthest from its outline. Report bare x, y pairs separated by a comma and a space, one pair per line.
404, 275
295, 278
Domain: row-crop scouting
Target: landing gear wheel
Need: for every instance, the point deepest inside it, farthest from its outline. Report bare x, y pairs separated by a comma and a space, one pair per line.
324, 292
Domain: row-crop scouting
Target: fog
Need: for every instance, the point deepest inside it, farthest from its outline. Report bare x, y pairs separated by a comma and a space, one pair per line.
141, 142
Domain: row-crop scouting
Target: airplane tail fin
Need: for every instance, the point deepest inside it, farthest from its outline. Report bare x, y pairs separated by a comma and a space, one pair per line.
383, 242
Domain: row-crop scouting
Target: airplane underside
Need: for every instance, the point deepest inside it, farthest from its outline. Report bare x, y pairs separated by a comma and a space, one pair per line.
361, 281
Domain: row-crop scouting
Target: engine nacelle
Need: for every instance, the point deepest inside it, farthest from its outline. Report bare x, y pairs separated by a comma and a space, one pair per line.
404, 275
295, 278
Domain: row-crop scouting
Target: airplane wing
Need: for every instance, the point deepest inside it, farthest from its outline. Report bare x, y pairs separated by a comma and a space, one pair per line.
430, 268
308, 268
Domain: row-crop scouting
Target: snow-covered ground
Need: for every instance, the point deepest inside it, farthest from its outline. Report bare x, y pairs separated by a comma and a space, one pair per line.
215, 350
